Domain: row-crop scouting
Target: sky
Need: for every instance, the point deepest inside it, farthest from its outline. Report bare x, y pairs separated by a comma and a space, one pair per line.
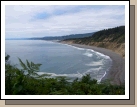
25, 21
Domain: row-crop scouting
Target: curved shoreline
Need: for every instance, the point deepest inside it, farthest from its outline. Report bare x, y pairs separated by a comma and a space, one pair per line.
117, 71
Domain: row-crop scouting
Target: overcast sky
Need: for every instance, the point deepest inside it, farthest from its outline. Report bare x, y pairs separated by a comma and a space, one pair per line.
58, 20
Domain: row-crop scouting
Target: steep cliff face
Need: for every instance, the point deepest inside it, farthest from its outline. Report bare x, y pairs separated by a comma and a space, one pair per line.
113, 39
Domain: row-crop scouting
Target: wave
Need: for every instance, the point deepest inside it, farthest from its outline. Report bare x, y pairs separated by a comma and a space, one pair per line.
78, 75
97, 63
90, 50
95, 73
88, 54
93, 70
102, 77
74, 47
102, 55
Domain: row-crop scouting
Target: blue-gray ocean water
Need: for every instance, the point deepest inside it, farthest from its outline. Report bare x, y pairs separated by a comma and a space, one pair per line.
59, 59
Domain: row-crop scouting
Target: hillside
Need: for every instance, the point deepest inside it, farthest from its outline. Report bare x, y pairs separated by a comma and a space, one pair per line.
112, 38
72, 36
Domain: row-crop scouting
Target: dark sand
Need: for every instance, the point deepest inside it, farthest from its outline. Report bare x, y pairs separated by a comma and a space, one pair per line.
117, 71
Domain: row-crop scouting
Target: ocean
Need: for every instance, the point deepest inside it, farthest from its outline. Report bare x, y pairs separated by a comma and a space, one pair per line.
59, 59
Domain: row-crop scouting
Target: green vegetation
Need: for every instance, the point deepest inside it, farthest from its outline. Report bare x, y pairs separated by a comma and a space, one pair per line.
116, 35
26, 81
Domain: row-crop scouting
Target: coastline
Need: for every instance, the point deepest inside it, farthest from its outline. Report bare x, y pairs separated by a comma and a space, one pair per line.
116, 74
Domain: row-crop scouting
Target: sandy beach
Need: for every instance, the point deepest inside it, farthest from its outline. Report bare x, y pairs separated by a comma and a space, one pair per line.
117, 71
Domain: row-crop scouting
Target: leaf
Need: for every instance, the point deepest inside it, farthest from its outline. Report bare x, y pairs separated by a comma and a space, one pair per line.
38, 65
22, 64
28, 64
7, 58
20, 88
15, 84
34, 74
29, 72
36, 68
32, 64
18, 72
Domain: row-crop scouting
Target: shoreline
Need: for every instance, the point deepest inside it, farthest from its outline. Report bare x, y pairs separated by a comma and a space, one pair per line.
116, 74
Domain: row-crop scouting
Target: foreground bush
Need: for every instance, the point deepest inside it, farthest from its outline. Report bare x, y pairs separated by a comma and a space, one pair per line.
26, 81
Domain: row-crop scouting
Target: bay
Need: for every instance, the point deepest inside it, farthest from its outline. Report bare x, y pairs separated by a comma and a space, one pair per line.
59, 59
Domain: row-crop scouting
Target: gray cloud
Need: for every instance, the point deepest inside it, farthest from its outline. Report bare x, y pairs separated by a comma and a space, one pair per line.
19, 21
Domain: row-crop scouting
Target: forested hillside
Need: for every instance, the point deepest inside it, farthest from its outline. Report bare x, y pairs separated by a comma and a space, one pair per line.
112, 38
